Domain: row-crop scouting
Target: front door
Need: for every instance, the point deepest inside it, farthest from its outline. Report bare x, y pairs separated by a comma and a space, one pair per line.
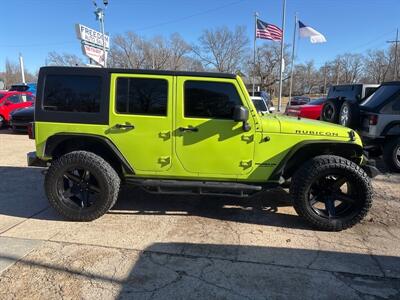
141, 120
208, 142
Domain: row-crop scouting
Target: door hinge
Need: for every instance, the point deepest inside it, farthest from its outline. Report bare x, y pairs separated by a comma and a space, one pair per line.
248, 138
246, 163
165, 135
164, 160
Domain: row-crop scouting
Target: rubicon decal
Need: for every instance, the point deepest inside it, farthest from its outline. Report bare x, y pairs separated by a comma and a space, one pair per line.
314, 132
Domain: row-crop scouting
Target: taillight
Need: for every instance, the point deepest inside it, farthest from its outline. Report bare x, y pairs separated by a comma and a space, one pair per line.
373, 119
31, 130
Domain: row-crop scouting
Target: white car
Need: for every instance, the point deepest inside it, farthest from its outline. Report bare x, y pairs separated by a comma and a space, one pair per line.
261, 105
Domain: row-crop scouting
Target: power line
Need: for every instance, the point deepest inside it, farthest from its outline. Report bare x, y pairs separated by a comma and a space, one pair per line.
190, 16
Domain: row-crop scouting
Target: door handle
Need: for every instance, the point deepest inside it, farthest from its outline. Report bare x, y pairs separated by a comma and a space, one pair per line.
184, 129
125, 126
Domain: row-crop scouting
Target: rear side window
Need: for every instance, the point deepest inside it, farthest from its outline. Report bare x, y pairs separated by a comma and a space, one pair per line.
211, 100
72, 93
142, 96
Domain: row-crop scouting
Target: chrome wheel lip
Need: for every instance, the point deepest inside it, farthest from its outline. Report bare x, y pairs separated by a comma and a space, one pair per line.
344, 116
396, 156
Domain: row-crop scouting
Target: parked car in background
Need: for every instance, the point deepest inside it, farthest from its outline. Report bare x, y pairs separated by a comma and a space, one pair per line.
299, 100
261, 105
24, 87
377, 119
338, 94
21, 119
265, 96
12, 100
311, 110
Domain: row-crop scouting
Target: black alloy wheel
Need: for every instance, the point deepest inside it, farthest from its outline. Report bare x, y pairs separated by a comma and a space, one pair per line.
81, 186
78, 188
333, 196
331, 192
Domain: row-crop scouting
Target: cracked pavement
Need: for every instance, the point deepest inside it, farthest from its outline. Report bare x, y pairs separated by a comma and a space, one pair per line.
170, 247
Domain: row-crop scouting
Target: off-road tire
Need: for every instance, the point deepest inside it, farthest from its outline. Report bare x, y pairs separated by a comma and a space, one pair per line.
353, 115
105, 174
389, 152
304, 178
333, 105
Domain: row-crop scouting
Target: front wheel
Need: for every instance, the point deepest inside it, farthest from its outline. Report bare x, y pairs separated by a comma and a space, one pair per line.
81, 186
331, 192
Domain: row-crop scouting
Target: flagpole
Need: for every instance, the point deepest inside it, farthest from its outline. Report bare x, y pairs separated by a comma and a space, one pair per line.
292, 64
254, 51
281, 66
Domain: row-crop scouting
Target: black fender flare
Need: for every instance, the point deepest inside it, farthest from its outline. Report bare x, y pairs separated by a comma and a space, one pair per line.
305, 150
55, 140
392, 128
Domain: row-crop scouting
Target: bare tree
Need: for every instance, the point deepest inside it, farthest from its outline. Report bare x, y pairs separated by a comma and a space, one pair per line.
222, 49
376, 66
64, 59
12, 74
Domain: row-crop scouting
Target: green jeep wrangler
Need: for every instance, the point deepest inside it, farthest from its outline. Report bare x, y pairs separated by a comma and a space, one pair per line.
187, 133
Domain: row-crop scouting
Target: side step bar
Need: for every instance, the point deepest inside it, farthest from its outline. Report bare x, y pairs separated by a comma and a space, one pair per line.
182, 187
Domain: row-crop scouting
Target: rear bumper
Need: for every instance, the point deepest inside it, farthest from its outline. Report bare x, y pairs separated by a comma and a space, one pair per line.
34, 161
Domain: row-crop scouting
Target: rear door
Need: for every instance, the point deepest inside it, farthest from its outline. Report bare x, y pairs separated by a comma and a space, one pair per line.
141, 119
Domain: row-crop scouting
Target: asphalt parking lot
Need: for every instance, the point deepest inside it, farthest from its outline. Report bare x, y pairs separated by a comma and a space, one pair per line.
169, 247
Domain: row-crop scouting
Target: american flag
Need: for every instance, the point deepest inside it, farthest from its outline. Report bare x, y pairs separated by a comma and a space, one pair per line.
268, 31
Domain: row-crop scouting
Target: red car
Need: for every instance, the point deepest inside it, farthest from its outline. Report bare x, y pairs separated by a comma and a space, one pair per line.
12, 100
311, 110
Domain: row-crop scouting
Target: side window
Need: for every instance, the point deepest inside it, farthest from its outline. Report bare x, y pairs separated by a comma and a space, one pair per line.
211, 100
72, 93
14, 99
142, 96
393, 107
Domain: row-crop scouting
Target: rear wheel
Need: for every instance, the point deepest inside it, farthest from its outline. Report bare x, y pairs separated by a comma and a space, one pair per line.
391, 154
330, 111
349, 115
81, 186
331, 192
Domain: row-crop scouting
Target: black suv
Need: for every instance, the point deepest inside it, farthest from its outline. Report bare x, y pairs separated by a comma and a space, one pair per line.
339, 94
377, 119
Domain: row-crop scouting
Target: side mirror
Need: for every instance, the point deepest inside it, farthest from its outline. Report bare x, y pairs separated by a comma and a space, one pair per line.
271, 109
240, 114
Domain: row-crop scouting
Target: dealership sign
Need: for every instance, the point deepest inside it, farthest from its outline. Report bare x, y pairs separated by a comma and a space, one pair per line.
91, 36
94, 53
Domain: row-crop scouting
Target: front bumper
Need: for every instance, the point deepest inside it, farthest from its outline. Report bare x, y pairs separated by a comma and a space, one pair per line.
34, 161
369, 167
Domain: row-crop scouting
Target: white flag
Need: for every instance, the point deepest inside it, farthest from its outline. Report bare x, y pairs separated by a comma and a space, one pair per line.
307, 31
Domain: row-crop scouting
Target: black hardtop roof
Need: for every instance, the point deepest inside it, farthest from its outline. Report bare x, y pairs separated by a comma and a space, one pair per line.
391, 83
59, 70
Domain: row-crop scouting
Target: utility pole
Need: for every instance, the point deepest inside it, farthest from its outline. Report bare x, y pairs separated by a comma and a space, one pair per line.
99, 12
292, 63
254, 52
21, 65
282, 50
395, 42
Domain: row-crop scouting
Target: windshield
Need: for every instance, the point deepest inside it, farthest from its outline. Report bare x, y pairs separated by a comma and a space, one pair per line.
260, 105
382, 94
317, 101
